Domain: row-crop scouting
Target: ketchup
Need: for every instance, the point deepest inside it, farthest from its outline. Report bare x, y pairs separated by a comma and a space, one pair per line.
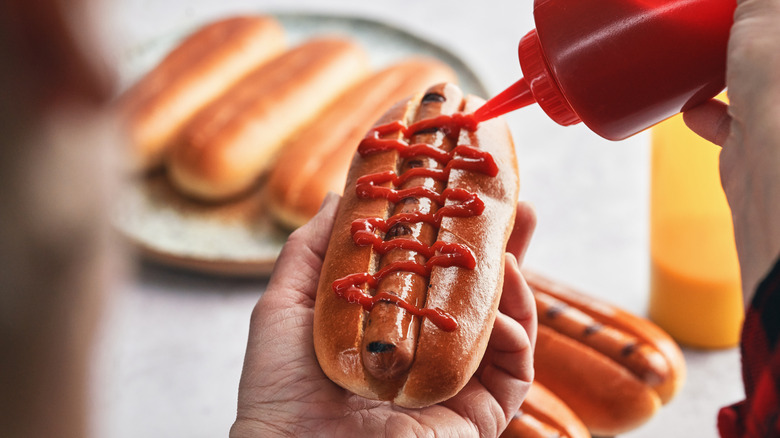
619, 66
444, 254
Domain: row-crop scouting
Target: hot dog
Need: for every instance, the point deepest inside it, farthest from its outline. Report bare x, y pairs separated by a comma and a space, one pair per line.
613, 369
198, 70
225, 147
414, 268
303, 174
544, 415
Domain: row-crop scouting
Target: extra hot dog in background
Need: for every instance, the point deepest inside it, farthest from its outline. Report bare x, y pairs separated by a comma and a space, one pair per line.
421, 230
612, 368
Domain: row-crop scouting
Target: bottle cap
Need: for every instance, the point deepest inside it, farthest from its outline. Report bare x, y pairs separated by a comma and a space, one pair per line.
542, 83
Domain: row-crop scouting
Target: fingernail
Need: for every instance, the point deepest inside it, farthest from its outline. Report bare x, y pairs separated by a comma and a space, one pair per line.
527, 205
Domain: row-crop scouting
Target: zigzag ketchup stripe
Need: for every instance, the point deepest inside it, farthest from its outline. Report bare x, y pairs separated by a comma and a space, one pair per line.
454, 202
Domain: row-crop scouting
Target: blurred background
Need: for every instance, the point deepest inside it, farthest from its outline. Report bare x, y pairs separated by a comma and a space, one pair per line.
172, 349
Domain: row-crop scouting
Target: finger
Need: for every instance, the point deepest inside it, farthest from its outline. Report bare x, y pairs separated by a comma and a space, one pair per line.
508, 369
298, 265
525, 223
710, 121
510, 349
517, 299
501, 382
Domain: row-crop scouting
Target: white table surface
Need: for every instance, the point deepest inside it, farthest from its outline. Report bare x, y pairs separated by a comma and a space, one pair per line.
172, 347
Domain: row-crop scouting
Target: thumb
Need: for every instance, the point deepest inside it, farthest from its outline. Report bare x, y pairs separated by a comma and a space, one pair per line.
710, 121
298, 266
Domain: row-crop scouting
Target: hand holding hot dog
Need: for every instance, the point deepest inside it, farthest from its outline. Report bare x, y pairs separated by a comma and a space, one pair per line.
283, 389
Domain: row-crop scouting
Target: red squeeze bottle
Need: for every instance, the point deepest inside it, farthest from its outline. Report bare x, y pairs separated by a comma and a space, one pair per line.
619, 66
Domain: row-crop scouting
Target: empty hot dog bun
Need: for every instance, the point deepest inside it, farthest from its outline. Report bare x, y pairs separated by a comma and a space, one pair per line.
193, 74
544, 415
316, 160
420, 230
613, 369
226, 146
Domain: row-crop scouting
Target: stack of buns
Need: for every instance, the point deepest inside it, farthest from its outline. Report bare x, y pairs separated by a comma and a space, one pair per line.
232, 105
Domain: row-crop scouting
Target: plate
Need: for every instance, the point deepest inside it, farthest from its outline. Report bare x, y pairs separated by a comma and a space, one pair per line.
239, 238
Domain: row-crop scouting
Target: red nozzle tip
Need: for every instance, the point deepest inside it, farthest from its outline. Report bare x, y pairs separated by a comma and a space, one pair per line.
517, 96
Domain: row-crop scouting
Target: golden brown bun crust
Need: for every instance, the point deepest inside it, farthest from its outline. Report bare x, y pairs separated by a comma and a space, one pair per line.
303, 174
633, 325
444, 361
199, 69
543, 415
226, 146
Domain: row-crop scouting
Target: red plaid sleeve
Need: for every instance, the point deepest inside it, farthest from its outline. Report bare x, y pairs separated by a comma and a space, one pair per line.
759, 414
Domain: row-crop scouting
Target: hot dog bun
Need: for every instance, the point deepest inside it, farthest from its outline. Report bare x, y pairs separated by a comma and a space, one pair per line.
613, 369
304, 174
544, 415
225, 147
443, 357
198, 70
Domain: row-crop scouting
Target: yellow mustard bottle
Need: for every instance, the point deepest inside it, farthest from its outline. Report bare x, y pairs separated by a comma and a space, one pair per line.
695, 289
